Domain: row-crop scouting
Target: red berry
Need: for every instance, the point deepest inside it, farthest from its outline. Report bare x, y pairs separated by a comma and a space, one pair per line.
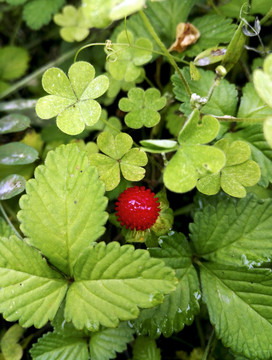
137, 208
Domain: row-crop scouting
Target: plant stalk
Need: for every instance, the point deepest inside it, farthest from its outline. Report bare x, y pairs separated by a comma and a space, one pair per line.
211, 343
9, 222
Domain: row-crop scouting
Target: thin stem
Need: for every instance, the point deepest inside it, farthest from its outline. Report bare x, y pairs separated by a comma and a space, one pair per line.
184, 210
200, 333
165, 51
228, 118
9, 222
36, 73
210, 345
16, 30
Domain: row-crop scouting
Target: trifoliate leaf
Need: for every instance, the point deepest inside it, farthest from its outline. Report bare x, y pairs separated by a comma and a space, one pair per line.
267, 129
214, 30
54, 346
31, 291
180, 306
13, 62
116, 280
37, 13
72, 99
164, 17
260, 150
13, 123
237, 233
146, 349
78, 218
262, 80
10, 349
222, 102
11, 186
105, 343
251, 105
128, 59
194, 160
120, 156
239, 305
17, 153
238, 173
142, 107
75, 27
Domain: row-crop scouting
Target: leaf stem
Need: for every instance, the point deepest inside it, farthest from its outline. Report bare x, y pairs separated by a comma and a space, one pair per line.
165, 51
9, 222
228, 118
211, 343
200, 332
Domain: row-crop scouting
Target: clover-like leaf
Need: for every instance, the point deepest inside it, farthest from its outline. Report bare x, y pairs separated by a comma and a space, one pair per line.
194, 160
180, 306
119, 156
75, 27
238, 172
13, 62
128, 61
72, 99
142, 107
262, 80
11, 350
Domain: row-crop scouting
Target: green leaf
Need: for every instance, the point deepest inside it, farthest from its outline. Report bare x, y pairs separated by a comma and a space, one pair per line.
174, 120
105, 343
251, 105
238, 173
13, 62
128, 59
78, 218
116, 280
5, 229
31, 291
233, 7
10, 349
145, 349
121, 9
75, 27
239, 305
260, 150
214, 30
262, 80
53, 346
267, 129
174, 11
209, 56
237, 233
196, 131
72, 100
115, 147
159, 146
180, 306
17, 153
37, 13
222, 102
11, 186
142, 107
13, 123
131, 164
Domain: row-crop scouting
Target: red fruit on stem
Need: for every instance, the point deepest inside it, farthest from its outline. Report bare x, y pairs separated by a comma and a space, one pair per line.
137, 208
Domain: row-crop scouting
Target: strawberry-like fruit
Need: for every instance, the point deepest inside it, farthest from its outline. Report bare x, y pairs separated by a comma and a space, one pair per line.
137, 208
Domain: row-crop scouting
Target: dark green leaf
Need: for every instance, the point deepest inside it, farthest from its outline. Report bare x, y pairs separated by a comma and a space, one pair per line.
13, 123
17, 153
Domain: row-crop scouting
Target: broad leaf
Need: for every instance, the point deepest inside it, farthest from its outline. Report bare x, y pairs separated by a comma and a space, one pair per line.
267, 129
56, 212
263, 81
31, 291
214, 30
234, 233
180, 306
13, 62
159, 146
239, 304
13, 123
252, 106
54, 346
142, 107
115, 147
260, 150
11, 186
222, 102
145, 349
115, 280
72, 99
105, 343
17, 153
5, 229
233, 7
